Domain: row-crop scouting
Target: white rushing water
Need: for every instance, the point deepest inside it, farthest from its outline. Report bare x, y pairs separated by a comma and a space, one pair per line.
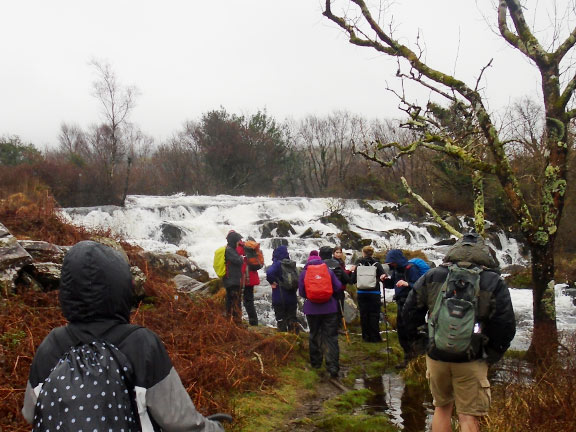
204, 221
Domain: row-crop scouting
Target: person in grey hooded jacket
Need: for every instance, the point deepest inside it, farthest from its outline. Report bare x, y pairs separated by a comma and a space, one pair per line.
95, 297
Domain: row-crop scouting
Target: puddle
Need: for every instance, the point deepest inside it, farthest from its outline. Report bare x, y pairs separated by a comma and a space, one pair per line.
409, 407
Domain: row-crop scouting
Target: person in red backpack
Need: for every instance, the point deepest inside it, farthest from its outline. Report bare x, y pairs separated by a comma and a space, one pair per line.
250, 279
318, 284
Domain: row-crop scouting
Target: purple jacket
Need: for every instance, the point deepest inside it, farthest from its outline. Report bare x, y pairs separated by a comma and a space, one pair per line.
331, 306
274, 275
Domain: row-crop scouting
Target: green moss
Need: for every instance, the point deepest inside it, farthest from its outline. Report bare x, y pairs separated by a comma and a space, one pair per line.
265, 411
357, 423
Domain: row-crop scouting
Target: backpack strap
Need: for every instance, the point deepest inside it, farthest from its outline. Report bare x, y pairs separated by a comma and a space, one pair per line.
114, 335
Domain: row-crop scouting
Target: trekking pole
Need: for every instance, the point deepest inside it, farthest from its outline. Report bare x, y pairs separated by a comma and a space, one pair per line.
343, 321
386, 330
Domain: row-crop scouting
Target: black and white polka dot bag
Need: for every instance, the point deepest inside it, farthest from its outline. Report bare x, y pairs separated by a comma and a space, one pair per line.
90, 389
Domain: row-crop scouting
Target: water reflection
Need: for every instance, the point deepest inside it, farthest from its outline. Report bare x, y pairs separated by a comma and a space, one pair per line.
408, 406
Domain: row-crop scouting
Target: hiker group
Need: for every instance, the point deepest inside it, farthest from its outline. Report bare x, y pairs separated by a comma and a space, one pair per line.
91, 374
459, 314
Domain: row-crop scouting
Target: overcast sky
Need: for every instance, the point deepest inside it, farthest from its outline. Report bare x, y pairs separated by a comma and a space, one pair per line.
190, 56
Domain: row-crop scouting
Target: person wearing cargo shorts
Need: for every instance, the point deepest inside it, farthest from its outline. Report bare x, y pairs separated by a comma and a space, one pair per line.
464, 385
461, 380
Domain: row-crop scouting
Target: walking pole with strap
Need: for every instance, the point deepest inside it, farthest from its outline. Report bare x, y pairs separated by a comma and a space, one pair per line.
343, 321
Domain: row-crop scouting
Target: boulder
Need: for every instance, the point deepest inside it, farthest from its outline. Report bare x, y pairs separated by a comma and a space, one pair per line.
13, 257
171, 233
43, 251
352, 240
139, 279
174, 264
337, 220
280, 228
46, 274
188, 285
310, 233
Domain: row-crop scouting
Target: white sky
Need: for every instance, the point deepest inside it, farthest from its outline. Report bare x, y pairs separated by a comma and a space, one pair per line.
190, 56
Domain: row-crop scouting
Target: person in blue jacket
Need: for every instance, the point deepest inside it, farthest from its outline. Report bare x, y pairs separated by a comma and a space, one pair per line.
322, 321
402, 277
284, 302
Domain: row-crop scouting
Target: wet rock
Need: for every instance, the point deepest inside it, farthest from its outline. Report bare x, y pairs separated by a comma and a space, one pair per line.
174, 264
28, 281
337, 220
367, 206
171, 233
410, 213
13, 257
352, 240
453, 221
43, 251
188, 285
46, 274
280, 228
310, 233
445, 242
139, 279
437, 231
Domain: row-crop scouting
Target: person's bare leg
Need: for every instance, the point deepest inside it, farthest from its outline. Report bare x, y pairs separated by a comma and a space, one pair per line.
468, 423
441, 422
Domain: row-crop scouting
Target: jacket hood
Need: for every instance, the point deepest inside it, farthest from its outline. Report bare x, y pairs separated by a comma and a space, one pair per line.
280, 253
396, 256
96, 284
325, 252
232, 238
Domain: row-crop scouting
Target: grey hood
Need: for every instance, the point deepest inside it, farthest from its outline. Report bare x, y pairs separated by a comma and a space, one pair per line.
96, 284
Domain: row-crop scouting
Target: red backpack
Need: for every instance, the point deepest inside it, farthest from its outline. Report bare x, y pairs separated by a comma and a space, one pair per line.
318, 283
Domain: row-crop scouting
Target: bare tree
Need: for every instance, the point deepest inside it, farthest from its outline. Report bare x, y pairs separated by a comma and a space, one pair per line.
488, 155
117, 102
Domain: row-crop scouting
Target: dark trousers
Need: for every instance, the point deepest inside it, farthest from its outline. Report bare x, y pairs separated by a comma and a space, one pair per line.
233, 303
369, 306
286, 317
401, 330
323, 341
248, 300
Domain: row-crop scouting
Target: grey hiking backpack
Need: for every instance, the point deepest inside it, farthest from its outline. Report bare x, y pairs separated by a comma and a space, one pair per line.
289, 280
366, 276
453, 331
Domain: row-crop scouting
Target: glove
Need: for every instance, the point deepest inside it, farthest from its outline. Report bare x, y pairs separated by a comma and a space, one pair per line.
492, 356
219, 417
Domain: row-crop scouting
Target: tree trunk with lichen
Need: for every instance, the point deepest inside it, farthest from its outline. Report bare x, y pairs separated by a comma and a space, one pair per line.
545, 333
478, 187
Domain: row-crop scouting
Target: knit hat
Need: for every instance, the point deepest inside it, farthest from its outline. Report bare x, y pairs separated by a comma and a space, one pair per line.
313, 256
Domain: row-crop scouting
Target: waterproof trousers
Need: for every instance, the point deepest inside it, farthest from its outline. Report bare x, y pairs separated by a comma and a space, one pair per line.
369, 306
248, 300
234, 303
401, 330
323, 342
285, 314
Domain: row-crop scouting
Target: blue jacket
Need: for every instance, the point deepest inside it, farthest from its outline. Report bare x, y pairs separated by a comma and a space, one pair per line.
274, 275
331, 306
400, 269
